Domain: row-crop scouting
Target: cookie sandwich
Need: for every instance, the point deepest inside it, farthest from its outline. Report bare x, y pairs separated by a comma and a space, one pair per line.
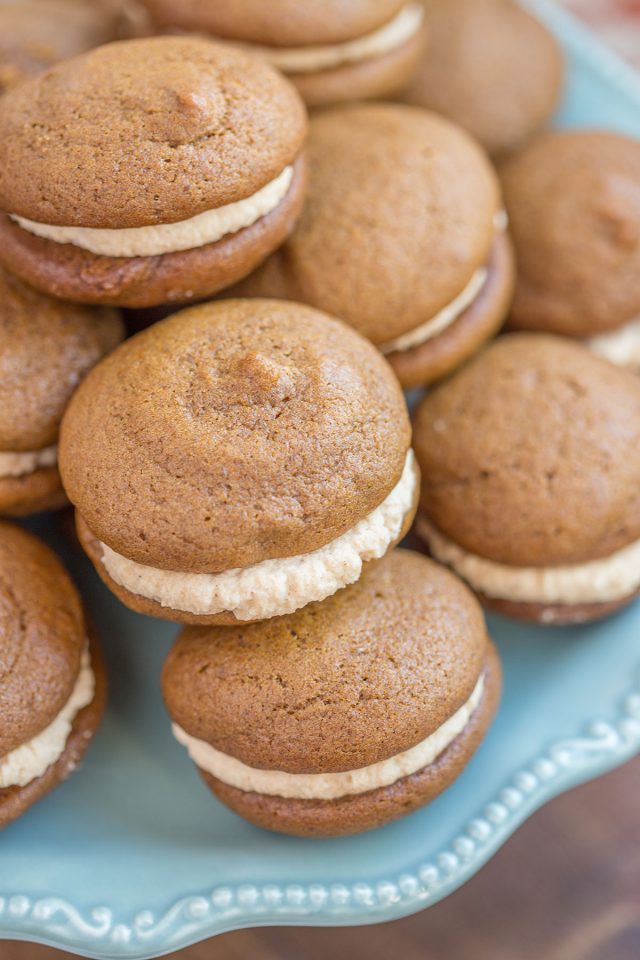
148, 171
574, 207
489, 66
47, 347
52, 679
403, 238
237, 461
331, 51
345, 715
531, 479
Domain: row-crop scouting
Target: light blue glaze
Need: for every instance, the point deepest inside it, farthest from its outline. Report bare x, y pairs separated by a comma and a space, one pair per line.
133, 857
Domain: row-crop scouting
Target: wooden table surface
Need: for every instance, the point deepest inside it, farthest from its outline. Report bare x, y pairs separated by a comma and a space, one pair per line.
565, 887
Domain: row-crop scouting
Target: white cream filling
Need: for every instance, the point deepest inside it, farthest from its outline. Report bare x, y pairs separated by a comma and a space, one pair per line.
274, 587
19, 464
431, 328
32, 759
450, 313
612, 578
330, 786
391, 35
207, 227
621, 347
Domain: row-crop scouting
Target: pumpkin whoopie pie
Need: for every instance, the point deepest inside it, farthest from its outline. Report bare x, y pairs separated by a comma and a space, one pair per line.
491, 67
238, 460
46, 348
345, 715
332, 51
574, 207
52, 679
402, 236
36, 34
148, 171
530, 460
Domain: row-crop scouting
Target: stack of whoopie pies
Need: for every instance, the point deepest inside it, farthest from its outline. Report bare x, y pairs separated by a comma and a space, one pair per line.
245, 467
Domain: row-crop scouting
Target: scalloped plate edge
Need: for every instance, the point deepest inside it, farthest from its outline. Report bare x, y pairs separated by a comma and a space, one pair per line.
566, 763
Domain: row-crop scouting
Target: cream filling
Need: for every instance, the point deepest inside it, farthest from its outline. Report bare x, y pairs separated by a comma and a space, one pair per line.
431, 328
449, 314
274, 587
621, 347
330, 786
391, 35
198, 231
32, 759
19, 464
613, 578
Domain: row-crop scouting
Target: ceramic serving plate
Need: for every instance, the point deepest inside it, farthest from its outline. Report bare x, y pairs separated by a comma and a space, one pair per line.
133, 857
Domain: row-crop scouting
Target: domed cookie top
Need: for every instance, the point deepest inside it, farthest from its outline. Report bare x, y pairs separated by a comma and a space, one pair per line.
393, 234
531, 479
573, 200
46, 347
42, 636
232, 433
278, 23
204, 125
530, 455
340, 685
478, 69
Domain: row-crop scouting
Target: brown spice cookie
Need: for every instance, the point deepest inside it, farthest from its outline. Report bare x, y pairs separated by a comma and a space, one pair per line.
42, 635
47, 347
331, 51
438, 356
14, 801
367, 811
339, 686
529, 455
545, 614
39, 490
573, 200
490, 66
556, 614
72, 273
373, 78
204, 126
211, 138
529, 460
152, 608
280, 23
394, 232
35, 34
236, 433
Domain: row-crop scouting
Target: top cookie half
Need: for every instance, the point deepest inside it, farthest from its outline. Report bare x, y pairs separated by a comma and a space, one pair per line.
145, 132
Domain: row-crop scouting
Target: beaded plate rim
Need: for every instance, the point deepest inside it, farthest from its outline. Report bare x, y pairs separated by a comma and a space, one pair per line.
100, 933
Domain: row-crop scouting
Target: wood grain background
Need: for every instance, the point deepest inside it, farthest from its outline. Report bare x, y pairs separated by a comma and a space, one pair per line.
565, 887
